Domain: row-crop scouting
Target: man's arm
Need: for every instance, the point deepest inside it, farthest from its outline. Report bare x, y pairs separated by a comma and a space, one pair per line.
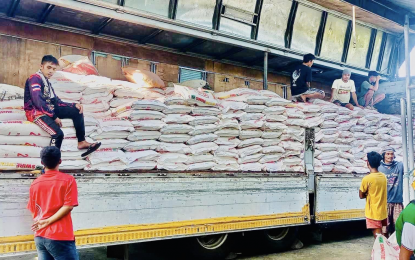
354, 96
332, 94
62, 212
362, 195
405, 254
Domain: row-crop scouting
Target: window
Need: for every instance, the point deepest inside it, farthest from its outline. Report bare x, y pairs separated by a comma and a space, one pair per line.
196, 11
190, 74
160, 7
333, 38
376, 51
306, 24
273, 23
358, 52
390, 42
236, 27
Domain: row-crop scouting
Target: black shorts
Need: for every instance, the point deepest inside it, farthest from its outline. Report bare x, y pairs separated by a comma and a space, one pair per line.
340, 103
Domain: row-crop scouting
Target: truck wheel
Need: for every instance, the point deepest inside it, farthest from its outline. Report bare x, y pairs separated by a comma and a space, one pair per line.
276, 239
210, 247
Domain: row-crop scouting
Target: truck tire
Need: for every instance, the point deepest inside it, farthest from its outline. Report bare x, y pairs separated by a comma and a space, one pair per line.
276, 239
209, 247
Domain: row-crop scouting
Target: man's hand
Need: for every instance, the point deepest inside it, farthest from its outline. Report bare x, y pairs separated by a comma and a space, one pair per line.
377, 78
80, 108
58, 122
359, 106
40, 224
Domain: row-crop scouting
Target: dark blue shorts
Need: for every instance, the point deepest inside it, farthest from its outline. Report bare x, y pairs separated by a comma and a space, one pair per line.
340, 103
48, 249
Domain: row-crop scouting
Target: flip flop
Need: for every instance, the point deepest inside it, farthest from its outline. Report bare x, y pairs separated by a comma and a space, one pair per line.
91, 149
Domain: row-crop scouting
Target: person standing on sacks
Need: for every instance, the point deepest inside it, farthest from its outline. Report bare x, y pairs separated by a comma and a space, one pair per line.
46, 110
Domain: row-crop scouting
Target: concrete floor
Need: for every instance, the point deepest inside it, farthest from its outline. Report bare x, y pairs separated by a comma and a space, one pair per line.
340, 241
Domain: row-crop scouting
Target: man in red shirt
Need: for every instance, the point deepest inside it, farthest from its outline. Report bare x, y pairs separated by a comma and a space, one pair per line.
53, 195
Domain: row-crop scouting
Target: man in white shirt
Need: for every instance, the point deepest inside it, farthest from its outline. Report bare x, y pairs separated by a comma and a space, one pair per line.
341, 89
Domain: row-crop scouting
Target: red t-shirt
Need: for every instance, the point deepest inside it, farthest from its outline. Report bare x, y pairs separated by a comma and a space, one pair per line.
48, 193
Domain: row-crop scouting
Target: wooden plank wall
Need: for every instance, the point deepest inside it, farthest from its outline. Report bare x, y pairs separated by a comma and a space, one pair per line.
21, 52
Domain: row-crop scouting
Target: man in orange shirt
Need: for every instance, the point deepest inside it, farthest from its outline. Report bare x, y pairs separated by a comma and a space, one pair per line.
53, 195
374, 190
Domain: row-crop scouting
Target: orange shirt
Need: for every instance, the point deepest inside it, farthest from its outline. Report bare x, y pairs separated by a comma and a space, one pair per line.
48, 193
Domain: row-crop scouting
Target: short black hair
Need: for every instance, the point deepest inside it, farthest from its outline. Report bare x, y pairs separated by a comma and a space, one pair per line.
374, 159
372, 73
51, 59
50, 156
308, 57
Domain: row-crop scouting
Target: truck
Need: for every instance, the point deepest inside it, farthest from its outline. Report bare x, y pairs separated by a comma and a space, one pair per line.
229, 46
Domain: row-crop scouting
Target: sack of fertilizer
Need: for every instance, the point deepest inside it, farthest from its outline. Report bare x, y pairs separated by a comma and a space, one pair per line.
257, 100
88, 121
8, 164
292, 146
239, 94
272, 149
19, 151
232, 105
229, 124
271, 134
313, 122
177, 109
77, 64
107, 156
173, 148
226, 151
73, 97
250, 150
275, 126
326, 147
330, 161
329, 124
250, 158
252, 124
341, 169
252, 133
143, 115
22, 128
9, 92
294, 130
227, 133
129, 93
200, 98
289, 137
75, 155
277, 101
251, 167
205, 111
344, 162
226, 167
172, 158
12, 114
275, 118
271, 158
71, 132
106, 166
176, 129
250, 142
178, 119
174, 138
172, 167
307, 108
98, 107
113, 143
342, 118
107, 124
203, 120
148, 125
329, 116
12, 104
98, 115
67, 82
295, 122
254, 108
141, 166
73, 164
327, 138
294, 113
143, 78
142, 145
232, 114
225, 160
110, 135
277, 110
202, 148
117, 102
202, 166
228, 141
346, 155
139, 135
271, 142
203, 129
192, 159
202, 138
154, 105
96, 98
142, 156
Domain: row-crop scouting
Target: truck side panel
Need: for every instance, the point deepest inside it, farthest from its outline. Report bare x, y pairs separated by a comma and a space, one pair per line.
119, 209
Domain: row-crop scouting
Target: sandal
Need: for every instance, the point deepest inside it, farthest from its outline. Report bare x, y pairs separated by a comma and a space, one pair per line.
92, 148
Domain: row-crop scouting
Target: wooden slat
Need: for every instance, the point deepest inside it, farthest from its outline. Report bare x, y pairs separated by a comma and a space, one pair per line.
109, 67
168, 73
66, 50
221, 85
9, 56
139, 64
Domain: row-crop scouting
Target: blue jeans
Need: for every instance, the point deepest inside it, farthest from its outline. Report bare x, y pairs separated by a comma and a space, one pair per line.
48, 249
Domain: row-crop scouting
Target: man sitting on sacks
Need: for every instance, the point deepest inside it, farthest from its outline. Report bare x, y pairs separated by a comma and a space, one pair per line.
369, 94
45, 109
341, 89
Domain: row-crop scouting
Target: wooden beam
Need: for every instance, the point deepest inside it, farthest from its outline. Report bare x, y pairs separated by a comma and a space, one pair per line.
290, 25
371, 47
347, 41
12, 8
150, 36
320, 33
102, 25
382, 51
258, 9
173, 9
229, 53
217, 15
193, 45
46, 11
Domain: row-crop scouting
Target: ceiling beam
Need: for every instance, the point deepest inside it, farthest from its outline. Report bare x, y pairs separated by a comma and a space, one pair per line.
102, 25
193, 45
12, 8
173, 9
46, 11
290, 25
347, 41
258, 9
229, 53
150, 36
320, 33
